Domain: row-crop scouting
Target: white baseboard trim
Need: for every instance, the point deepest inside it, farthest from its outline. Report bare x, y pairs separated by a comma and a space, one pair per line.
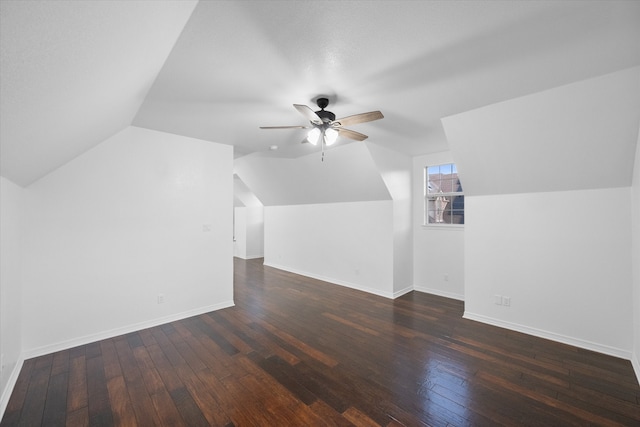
11, 383
249, 256
390, 295
636, 365
438, 292
403, 291
64, 345
576, 342
344, 283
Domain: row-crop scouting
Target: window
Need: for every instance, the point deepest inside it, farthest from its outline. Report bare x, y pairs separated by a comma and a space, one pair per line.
443, 195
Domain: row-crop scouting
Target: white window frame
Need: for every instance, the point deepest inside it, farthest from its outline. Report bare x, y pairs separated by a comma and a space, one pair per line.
429, 202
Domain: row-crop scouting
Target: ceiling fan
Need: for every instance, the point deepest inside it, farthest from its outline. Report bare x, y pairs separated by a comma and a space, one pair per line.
324, 126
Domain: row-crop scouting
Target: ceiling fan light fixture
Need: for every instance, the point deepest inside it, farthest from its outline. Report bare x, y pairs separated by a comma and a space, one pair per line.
324, 126
330, 136
313, 136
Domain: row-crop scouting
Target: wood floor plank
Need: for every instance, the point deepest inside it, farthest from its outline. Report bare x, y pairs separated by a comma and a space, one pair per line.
188, 408
203, 399
77, 390
302, 346
218, 324
358, 418
97, 392
60, 363
257, 341
16, 401
135, 395
585, 416
121, 407
166, 371
148, 370
110, 359
298, 351
78, 418
330, 416
55, 409
168, 413
227, 401
35, 398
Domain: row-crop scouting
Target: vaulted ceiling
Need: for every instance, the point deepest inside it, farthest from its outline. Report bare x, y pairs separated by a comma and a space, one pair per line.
76, 72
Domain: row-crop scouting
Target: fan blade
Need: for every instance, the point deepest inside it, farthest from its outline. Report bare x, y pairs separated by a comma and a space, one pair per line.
284, 127
359, 118
351, 134
308, 113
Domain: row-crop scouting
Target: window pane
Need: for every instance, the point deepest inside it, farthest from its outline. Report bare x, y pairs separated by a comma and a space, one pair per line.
448, 185
442, 205
458, 216
432, 217
433, 179
437, 208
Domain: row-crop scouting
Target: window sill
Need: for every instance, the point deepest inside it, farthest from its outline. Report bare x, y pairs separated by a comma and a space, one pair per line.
442, 226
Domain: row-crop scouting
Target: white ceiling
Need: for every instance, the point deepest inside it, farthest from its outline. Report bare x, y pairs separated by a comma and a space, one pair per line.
76, 72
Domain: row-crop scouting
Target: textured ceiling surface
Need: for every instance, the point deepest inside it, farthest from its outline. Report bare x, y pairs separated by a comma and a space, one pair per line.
74, 73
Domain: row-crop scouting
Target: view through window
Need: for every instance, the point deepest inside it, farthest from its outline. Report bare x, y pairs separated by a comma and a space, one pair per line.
443, 195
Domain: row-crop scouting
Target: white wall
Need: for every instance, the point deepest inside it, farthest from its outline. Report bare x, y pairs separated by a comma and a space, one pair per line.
547, 180
350, 244
144, 213
395, 169
636, 261
333, 219
249, 232
564, 259
240, 232
11, 224
438, 251
248, 223
255, 231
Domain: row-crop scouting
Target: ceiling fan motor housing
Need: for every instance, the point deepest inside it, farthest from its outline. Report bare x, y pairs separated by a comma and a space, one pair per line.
326, 116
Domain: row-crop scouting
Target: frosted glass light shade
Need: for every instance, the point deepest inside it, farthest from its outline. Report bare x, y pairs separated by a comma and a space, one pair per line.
330, 136
313, 136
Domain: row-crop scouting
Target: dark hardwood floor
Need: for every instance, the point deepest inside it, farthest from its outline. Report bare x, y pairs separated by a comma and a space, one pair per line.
299, 352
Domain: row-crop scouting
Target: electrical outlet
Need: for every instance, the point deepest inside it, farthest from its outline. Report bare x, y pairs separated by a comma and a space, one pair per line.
497, 299
446, 277
160, 298
506, 301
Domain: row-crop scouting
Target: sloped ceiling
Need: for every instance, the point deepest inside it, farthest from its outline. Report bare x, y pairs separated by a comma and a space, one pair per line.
76, 72
242, 195
241, 65
348, 174
574, 137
